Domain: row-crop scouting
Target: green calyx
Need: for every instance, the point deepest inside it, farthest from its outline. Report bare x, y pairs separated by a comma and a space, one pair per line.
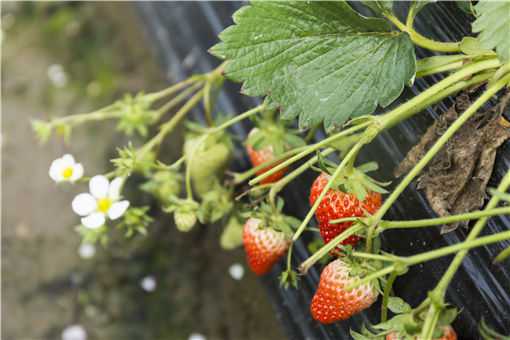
185, 213
215, 204
354, 179
272, 217
136, 114
164, 185
274, 134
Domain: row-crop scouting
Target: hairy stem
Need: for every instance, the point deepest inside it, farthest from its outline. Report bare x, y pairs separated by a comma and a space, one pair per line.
386, 295
278, 186
324, 250
385, 225
422, 41
308, 150
347, 159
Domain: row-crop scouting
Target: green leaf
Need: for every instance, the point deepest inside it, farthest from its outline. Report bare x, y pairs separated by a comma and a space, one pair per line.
379, 7
465, 6
321, 61
472, 46
493, 26
397, 305
416, 7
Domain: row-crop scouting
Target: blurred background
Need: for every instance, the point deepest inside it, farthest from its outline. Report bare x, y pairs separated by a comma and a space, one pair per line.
61, 58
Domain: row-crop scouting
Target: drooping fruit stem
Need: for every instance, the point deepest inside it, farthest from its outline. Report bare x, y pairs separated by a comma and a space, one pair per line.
168, 127
399, 262
310, 149
386, 225
347, 159
278, 186
324, 250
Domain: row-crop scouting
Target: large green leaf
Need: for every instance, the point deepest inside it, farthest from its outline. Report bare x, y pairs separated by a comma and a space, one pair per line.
321, 61
493, 24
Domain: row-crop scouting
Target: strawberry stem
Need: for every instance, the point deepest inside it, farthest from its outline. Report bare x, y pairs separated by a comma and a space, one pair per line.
241, 177
351, 154
420, 40
386, 225
168, 127
238, 118
386, 295
278, 186
310, 149
325, 249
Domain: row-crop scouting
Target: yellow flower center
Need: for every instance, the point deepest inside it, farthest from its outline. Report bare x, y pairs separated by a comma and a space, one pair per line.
103, 204
67, 173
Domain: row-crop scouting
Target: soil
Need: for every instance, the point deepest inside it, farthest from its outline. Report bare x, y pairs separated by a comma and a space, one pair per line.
46, 286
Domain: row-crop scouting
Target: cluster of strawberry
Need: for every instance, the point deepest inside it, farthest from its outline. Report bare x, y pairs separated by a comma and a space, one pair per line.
265, 244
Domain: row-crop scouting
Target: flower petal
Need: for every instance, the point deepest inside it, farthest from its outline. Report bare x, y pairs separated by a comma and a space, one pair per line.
94, 220
77, 172
67, 160
118, 209
55, 171
114, 190
84, 204
98, 186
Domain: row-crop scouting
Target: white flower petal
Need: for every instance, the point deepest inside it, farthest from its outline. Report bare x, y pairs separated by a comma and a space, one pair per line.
236, 271
94, 220
56, 170
118, 209
74, 332
67, 160
77, 172
84, 204
114, 190
196, 336
148, 283
87, 250
98, 186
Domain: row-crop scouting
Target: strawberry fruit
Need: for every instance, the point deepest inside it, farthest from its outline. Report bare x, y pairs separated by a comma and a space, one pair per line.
338, 204
261, 156
264, 246
332, 302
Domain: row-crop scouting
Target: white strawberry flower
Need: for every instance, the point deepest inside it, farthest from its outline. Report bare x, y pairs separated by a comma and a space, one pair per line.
103, 201
65, 169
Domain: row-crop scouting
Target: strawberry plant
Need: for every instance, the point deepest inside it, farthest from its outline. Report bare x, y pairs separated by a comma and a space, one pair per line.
321, 66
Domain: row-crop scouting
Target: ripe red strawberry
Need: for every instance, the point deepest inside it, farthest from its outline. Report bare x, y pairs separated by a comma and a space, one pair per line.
448, 334
263, 246
332, 302
338, 204
263, 155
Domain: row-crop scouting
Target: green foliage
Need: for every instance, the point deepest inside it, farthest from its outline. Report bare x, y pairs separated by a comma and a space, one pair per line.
135, 220
130, 161
232, 235
135, 114
164, 185
379, 7
42, 129
398, 305
321, 61
493, 24
488, 333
